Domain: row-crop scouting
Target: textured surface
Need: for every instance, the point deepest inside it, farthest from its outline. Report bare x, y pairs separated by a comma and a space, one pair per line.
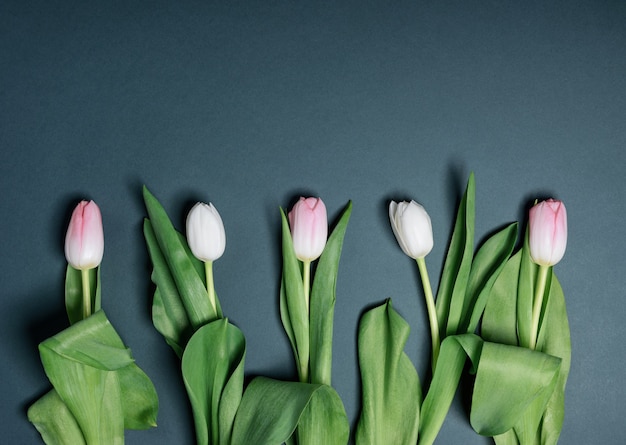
249, 105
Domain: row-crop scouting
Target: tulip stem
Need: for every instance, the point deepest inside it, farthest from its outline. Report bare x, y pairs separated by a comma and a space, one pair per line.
210, 287
432, 313
306, 287
84, 274
306, 283
540, 288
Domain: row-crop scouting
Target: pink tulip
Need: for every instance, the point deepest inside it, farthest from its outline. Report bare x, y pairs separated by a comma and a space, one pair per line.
84, 242
309, 228
547, 232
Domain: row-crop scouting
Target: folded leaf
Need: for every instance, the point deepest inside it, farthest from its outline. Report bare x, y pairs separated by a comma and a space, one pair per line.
92, 342
140, 403
92, 395
509, 380
270, 411
212, 368
54, 421
452, 357
96, 382
391, 393
509, 306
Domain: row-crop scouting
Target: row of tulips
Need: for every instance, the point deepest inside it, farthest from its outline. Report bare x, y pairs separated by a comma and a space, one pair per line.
520, 361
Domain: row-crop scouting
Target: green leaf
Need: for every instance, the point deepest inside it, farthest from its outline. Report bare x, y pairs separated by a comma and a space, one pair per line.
80, 363
554, 339
391, 393
140, 403
486, 267
323, 295
92, 342
168, 312
190, 287
452, 356
98, 389
510, 380
74, 293
212, 367
525, 294
54, 421
270, 411
456, 269
508, 438
293, 310
499, 323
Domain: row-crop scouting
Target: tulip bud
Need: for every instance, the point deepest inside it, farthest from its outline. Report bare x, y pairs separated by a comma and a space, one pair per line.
84, 241
309, 228
205, 232
547, 232
412, 228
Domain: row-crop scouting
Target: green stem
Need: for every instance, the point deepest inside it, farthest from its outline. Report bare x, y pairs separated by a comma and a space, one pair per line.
540, 288
210, 286
432, 313
306, 280
306, 284
84, 274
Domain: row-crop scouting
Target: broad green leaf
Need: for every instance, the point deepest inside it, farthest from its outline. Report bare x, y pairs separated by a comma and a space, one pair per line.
391, 393
554, 339
486, 267
509, 380
270, 411
74, 293
508, 438
140, 403
54, 421
452, 357
92, 342
91, 395
214, 355
97, 381
499, 323
293, 310
168, 312
229, 404
525, 294
323, 303
456, 269
323, 421
190, 287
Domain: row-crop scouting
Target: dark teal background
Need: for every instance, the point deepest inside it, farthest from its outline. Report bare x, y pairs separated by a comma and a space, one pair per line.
250, 104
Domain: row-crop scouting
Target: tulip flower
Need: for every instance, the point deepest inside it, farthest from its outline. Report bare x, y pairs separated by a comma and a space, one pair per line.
309, 228
547, 239
205, 232
84, 241
309, 232
547, 232
412, 228
84, 245
207, 240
